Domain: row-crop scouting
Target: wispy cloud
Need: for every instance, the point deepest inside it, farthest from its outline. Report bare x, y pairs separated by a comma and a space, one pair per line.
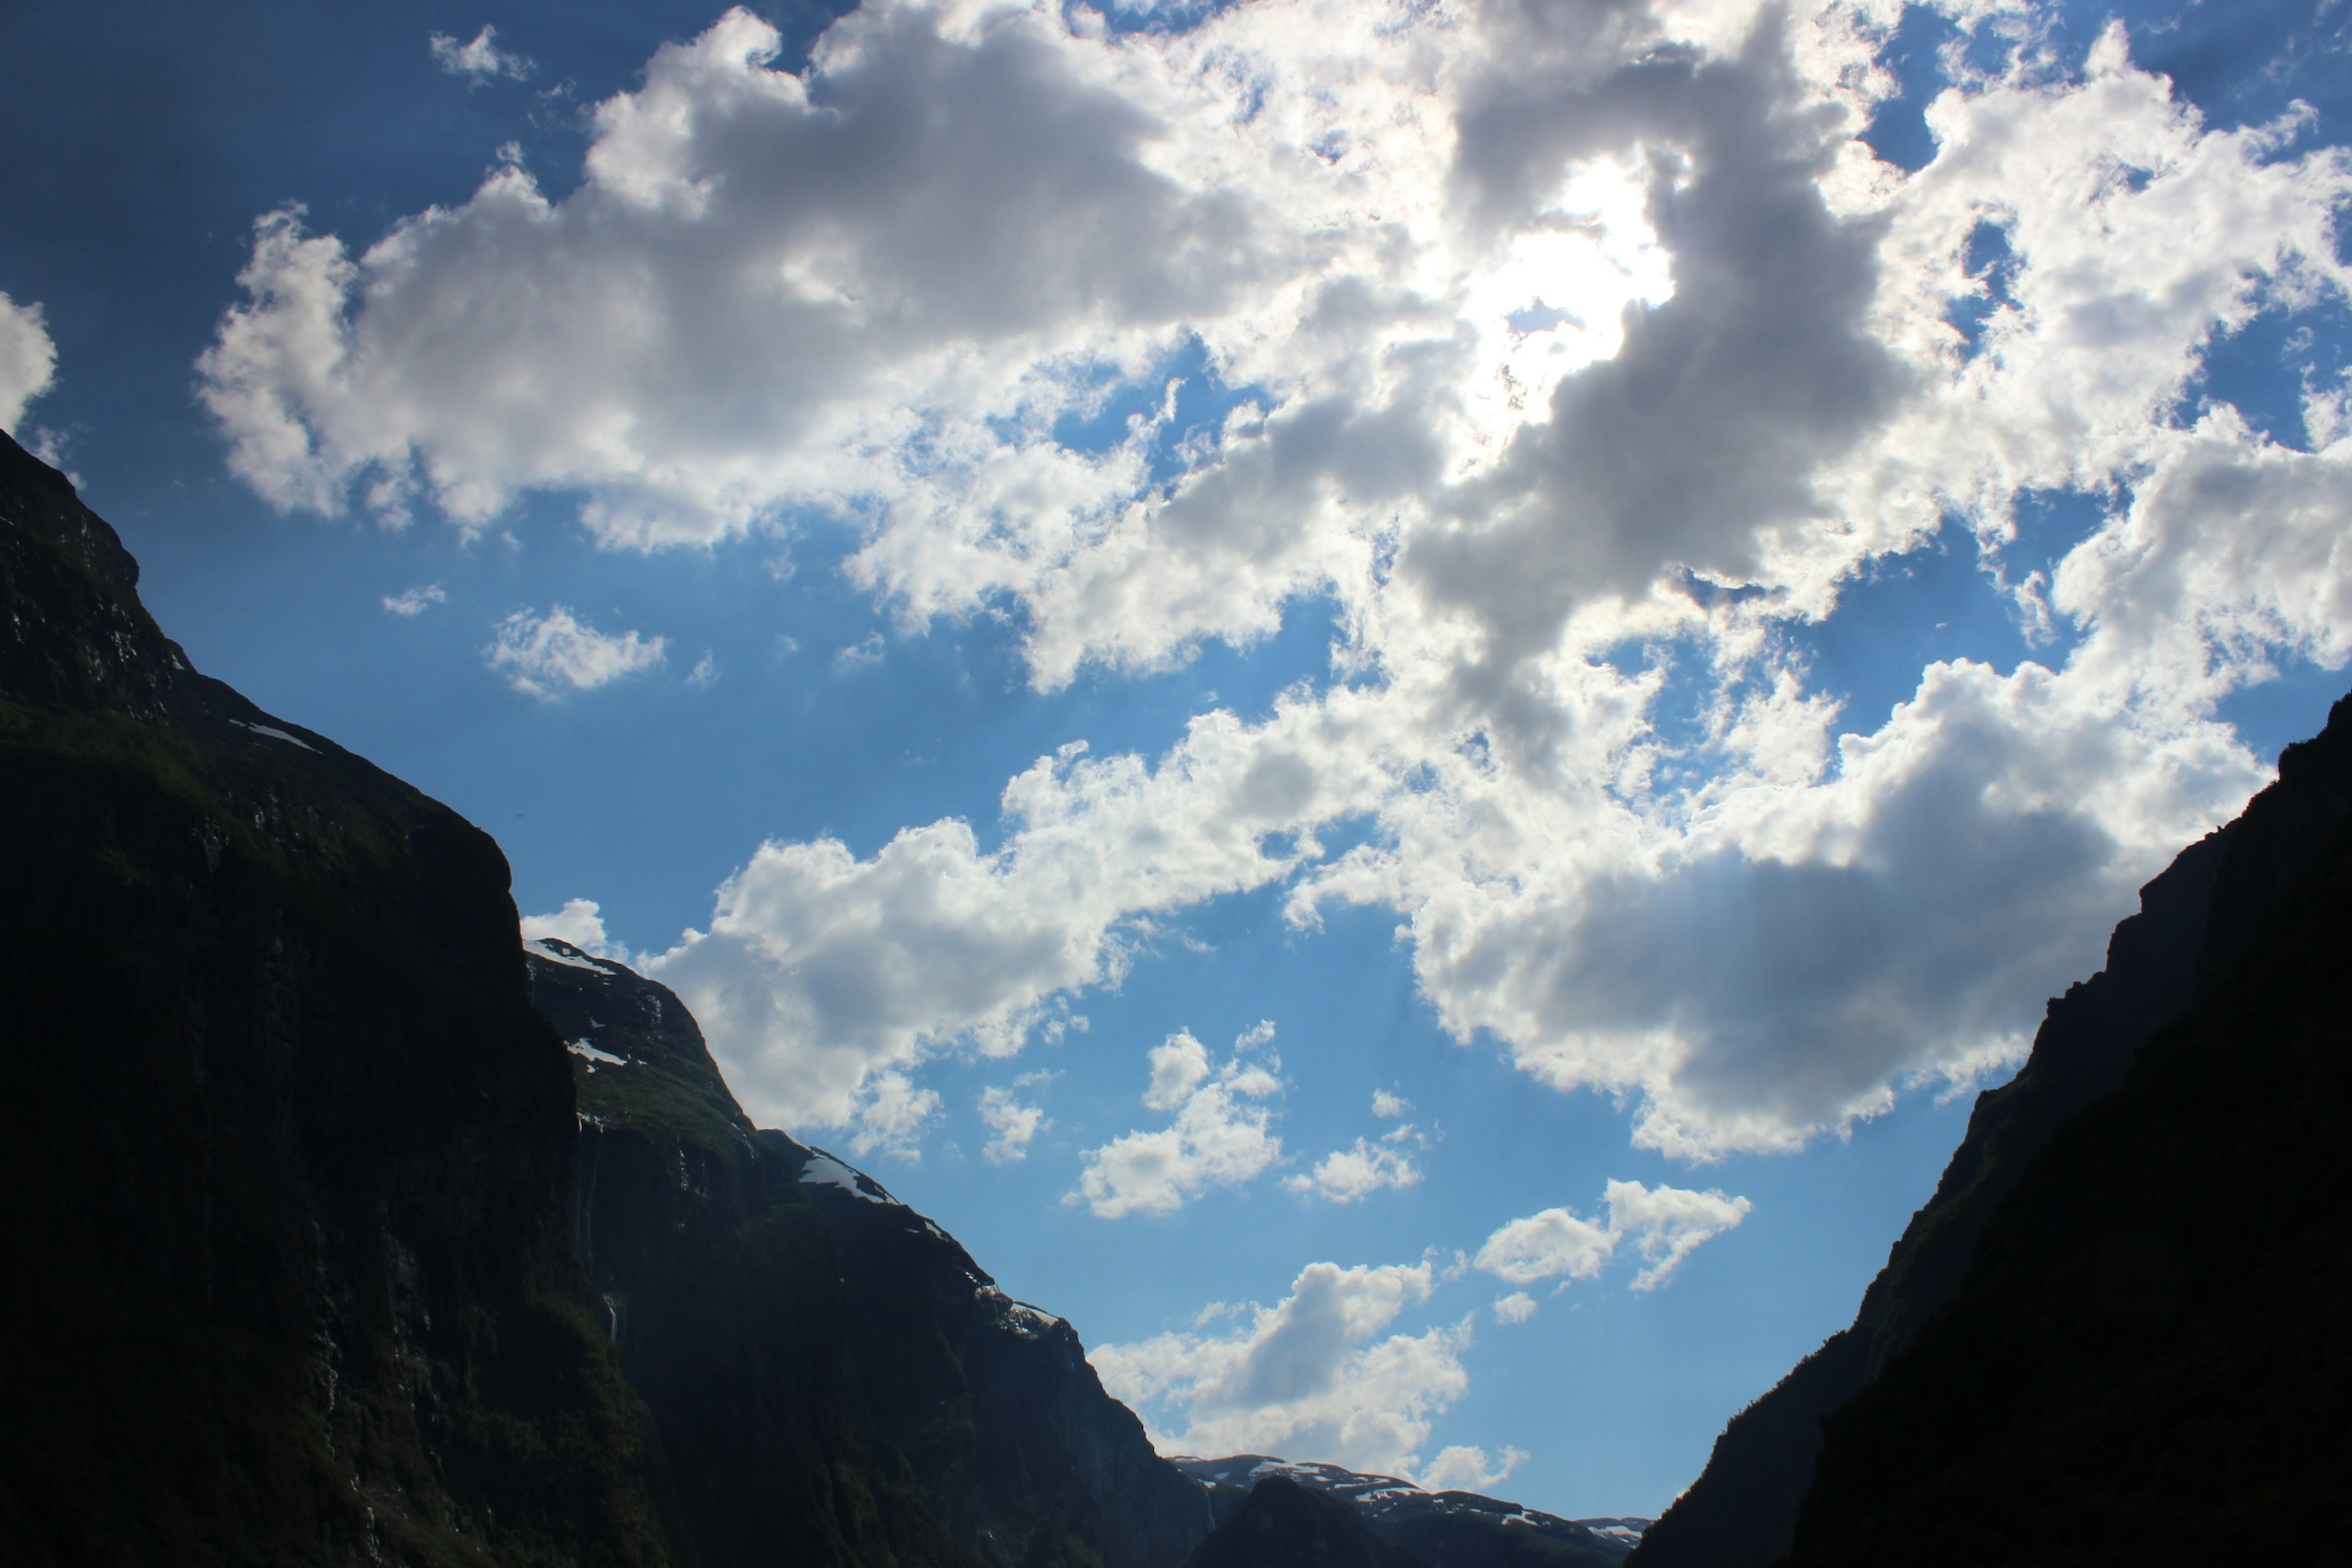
480, 61
413, 602
551, 656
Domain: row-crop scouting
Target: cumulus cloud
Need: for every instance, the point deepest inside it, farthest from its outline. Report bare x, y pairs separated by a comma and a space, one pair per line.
28, 360
409, 603
482, 61
1313, 1377
1012, 1124
1590, 360
1219, 1135
551, 656
1348, 1175
1515, 1307
1665, 1224
1467, 1468
1388, 1104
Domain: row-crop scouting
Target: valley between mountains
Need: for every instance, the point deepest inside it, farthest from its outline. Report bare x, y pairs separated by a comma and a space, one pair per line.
345, 1227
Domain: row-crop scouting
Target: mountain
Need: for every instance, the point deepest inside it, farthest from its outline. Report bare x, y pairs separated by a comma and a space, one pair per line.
831, 1378
1434, 1530
327, 1247
1742, 1512
288, 1154
1282, 1524
2145, 1360
2115, 1332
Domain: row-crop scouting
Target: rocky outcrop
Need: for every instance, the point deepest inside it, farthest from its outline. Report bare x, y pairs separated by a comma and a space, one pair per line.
831, 1377
288, 1154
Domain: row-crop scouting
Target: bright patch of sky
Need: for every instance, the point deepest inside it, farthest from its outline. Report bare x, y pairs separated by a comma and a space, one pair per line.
1389, 695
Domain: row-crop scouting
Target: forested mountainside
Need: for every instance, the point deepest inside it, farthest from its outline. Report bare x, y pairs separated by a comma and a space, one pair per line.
1742, 1512
2113, 1333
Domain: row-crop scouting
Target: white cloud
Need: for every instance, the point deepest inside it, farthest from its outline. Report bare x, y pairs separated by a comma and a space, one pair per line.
409, 603
481, 60
1461, 1468
1548, 1245
1387, 1104
890, 1115
1311, 1378
1515, 1307
820, 968
28, 360
1012, 1123
1348, 1175
551, 656
1417, 233
1221, 1135
1665, 1224
581, 922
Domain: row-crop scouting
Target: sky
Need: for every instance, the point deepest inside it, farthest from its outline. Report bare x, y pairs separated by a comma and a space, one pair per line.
1400, 697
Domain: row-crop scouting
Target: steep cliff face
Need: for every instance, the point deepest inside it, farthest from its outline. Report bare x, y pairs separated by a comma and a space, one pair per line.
1742, 1512
2146, 1359
288, 1156
831, 1377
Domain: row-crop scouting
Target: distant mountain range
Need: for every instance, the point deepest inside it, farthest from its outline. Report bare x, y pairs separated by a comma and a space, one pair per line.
345, 1228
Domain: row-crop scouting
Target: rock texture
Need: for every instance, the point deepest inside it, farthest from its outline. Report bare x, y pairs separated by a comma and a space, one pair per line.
288, 1154
831, 1377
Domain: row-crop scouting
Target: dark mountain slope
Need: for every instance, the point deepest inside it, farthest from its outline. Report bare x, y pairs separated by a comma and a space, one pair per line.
288, 1154
1282, 1524
831, 1375
1742, 1510
2147, 1361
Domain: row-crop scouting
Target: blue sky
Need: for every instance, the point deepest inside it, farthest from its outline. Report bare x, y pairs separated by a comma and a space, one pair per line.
1641, 584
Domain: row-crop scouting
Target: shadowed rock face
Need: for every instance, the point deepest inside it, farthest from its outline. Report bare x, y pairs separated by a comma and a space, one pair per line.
831, 1375
288, 1154
1742, 1510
